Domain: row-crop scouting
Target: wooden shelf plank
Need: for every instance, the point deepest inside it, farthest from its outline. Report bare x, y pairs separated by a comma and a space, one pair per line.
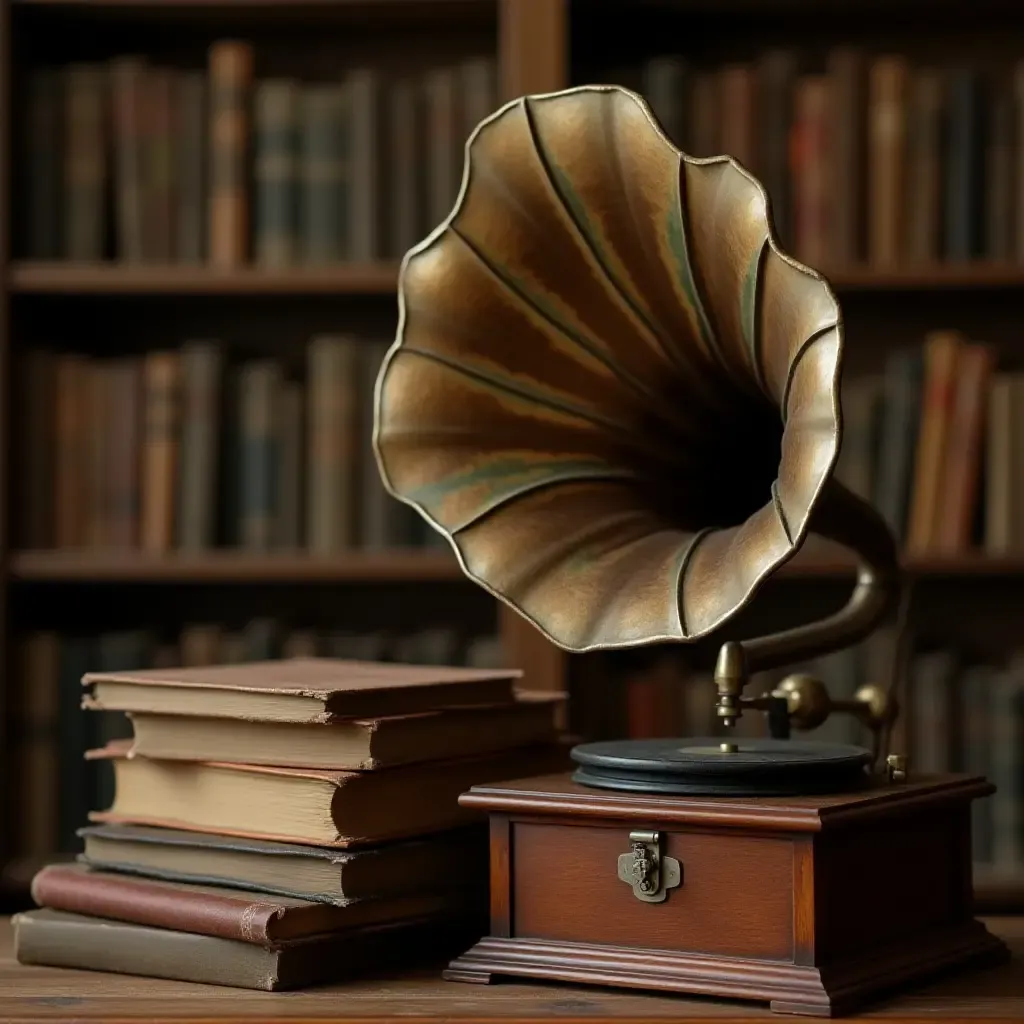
48, 278
234, 567
32, 278
957, 277
401, 564
962, 566
389, 7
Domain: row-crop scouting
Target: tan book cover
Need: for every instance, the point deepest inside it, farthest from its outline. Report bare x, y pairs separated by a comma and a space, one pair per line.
305, 805
300, 689
354, 745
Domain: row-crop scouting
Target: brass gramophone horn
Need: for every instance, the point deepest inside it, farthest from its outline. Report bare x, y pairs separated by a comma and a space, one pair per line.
616, 396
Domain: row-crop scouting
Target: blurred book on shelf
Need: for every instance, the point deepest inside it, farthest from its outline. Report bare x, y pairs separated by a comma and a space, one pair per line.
143, 163
934, 441
868, 158
190, 449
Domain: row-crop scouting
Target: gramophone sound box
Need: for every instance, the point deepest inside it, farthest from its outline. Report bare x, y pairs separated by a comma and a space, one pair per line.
618, 399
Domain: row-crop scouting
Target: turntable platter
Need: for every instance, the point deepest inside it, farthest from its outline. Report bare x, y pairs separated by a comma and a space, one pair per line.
699, 766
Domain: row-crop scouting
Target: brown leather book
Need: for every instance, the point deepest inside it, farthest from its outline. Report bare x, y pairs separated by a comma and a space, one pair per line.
122, 485
811, 118
776, 72
737, 102
961, 471
71, 496
230, 71
224, 913
846, 156
924, 167
51, 938
128, 80
332, 426
160, 443
102, 432
305, 805
311, 873
941, 353
359, 745
34, 399
887, 130
300, 690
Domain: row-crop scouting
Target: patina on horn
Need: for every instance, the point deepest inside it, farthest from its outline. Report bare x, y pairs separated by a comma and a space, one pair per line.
616, 396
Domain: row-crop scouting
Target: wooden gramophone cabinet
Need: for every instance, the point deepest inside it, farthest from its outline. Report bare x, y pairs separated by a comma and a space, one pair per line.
814, 904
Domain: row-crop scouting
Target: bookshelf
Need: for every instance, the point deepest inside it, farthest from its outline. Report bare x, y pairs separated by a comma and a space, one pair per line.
539, 46
128, 297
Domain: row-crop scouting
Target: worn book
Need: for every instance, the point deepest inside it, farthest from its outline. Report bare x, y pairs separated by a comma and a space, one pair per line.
52, 938
308, 805
299, 690
353, 745
448, 860
226, 913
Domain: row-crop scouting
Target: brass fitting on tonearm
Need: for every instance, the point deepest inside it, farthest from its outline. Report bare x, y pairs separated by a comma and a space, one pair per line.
800, 701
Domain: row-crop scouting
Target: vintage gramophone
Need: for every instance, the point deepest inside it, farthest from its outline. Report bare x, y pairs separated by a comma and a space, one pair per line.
619, 400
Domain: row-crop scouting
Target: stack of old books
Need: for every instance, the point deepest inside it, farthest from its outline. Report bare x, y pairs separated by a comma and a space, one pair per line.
285, 823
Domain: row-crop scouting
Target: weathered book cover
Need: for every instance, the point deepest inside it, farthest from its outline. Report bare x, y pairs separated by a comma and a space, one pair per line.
160, 445
202, 376
324, 174
85, 162
260, 919
54, 939
190, 150
230, 76
364, 92
276, 172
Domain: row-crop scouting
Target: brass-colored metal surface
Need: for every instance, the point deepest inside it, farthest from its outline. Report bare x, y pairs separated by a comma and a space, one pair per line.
808, 701
809, 705
896, 768
615, 395
647, 870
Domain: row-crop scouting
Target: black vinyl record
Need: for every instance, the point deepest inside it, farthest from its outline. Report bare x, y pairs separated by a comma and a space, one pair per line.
700, 767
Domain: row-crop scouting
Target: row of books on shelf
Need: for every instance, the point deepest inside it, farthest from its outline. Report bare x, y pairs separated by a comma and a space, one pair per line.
936, 442
150, 164
186, 449
959, 714
285, 823
870, 159
53, 792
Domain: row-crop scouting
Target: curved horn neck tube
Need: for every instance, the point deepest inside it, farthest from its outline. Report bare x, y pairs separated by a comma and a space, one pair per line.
843, 517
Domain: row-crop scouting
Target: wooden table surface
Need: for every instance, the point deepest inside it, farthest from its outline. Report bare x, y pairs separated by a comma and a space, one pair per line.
40, 993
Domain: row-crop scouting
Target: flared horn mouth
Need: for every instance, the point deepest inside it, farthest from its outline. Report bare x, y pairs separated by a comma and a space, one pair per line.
610, 389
